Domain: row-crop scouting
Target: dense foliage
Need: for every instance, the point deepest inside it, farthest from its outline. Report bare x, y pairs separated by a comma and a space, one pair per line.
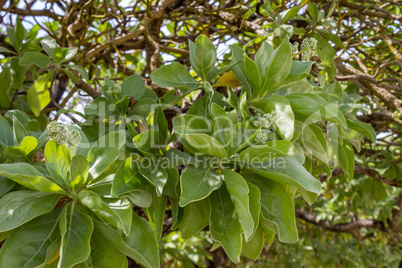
159, 130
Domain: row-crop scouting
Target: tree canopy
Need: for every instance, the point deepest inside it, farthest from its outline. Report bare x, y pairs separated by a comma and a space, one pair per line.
269, 131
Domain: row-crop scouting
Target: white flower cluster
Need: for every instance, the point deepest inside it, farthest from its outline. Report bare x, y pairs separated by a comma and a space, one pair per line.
115, 89
264, 121
308, 47
261, 137
62, 135
294, 47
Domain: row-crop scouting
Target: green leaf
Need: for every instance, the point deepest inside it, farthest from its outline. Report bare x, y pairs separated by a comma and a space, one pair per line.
36, 58
299, 71
316, 108
267, 152
17, 208
24, 152
79, 168
76, 230
239, 193
104, 152
252, 248
104, 255
174, 75
38, 95
313, 140
140, 245
18, 73
142, 109
287, 170
5, 185
313, 11
191, 124
57, 161
362, 128
19, 131
223, 227
253, 75
128, 179
6, 134
171, 188
202, 56
122, 207
49, 45
194, 218
324, 50
280, 63
198, 183
277, 208
156, 214
33, 244
289, 14
254, 197
141, 198
93, 201
79, 69
155, 174
205, 144
238, 70
64, 54
262, 57
133, 86
5, 78
28, 176
6, 50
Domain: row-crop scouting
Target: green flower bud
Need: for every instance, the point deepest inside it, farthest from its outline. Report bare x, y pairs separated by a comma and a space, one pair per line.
294, 47
116, 89
73, 137
264, 121
261, 137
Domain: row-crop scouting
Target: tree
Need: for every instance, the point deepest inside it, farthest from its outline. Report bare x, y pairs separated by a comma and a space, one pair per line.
231, 117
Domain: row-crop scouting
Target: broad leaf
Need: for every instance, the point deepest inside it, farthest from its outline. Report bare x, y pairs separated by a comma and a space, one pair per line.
79, 168
128, 179
277, 208
93, 201
57, 161
202, 56
24, 152
252, 248
194, 218
239, 194
223, 227
38, 95
267, 152
16, 208
104, 152
133, 86
29, 177
76, 230
174, 75
198, 183
36, 58
156, 214
140, 245
33, 244
287, 170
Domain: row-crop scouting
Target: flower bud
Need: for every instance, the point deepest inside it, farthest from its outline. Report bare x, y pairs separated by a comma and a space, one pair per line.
261, 137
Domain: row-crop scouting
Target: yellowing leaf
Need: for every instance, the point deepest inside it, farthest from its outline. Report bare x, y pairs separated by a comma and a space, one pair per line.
228, 79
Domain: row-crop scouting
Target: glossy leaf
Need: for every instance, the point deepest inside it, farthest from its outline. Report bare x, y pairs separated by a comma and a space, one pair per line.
127, 179
76, 231
33, 244
174, 75
277, 208
93, 201
57, 161
38, 95
198, 183
140, 245
239, 194
133, 86
194, 218
223, 227
202, 56
79, 168
17, 208
267, 152
28, 176
104, 152
35, 58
